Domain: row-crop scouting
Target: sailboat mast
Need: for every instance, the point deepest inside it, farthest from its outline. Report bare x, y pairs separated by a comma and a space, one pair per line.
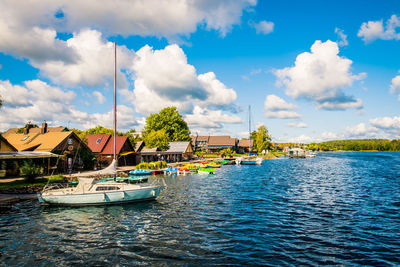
115, 109
249, 129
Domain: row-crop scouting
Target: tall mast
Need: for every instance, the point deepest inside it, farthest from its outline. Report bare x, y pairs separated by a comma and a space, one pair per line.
115, 109
249, 129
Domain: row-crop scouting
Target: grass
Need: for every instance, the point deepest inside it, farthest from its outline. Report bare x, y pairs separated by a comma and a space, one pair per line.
41, 181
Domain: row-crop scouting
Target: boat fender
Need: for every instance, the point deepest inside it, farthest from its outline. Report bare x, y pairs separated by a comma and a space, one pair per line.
153, 193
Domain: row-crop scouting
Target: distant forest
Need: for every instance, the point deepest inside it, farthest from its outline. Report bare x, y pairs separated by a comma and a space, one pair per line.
358, 145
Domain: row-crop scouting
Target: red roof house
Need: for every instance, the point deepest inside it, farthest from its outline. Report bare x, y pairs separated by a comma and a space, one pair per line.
102, 146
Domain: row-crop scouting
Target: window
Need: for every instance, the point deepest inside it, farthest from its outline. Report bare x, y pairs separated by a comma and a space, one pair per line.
105, 188
70, 142
25, 137
98, 141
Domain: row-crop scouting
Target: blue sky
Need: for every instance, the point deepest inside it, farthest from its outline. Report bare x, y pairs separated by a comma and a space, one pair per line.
310, 70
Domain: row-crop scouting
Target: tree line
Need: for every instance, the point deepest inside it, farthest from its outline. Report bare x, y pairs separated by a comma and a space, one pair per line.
357, 145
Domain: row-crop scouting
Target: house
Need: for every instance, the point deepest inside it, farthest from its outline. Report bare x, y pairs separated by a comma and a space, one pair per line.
200, 142
177, 151
217, 143
244, 146
75, 153
102, 146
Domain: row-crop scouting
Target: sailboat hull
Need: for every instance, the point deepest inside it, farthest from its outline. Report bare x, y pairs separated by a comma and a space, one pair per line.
103, 198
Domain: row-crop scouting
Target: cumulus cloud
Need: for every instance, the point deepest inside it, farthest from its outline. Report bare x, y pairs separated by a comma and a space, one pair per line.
99, 97
361, 130
145, 18
321, 76
204, 118
263, 27
373, 30
305, 139
395, 86
37, 101
342, 38
386, 123
94, 65
297, 125
164, 78
276, 107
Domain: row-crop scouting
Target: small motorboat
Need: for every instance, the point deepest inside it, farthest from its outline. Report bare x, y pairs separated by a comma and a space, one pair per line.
206, 171
170, 171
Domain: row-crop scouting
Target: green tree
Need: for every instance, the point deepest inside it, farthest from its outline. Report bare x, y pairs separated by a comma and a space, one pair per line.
171, 121
157, 139
262, 140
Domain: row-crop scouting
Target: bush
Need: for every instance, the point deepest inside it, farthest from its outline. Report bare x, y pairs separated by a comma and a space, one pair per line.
30, 171
151, 165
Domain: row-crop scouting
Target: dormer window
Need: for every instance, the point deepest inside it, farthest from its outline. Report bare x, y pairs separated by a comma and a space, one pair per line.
98, 141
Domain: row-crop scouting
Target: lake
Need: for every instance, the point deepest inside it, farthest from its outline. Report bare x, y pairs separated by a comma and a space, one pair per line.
335, 209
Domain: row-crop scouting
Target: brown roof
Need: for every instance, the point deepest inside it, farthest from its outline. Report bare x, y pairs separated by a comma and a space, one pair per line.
36, 141
49, 129
245, 143
97, 142
10, 131
222, 141
149, 150
203, 138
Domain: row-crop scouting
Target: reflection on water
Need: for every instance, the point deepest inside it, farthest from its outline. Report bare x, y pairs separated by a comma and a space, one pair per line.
338, 208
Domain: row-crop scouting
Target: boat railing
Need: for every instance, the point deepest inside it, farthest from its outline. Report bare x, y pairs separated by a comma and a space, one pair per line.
54, 186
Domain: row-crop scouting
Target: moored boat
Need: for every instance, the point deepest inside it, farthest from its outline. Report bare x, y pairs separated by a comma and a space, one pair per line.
206, 171
140, 172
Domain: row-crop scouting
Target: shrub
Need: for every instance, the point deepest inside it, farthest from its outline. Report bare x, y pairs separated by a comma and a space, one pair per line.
30, 171
151, 165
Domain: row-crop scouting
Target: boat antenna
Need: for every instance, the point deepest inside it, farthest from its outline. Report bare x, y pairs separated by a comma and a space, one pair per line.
115, 111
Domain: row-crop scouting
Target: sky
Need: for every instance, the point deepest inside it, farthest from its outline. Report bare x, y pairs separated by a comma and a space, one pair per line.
309, 70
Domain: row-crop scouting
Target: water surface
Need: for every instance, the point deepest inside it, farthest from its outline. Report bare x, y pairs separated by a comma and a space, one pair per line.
336, 209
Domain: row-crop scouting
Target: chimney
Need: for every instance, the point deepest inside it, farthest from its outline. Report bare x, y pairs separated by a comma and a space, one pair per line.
44, 128
27, 127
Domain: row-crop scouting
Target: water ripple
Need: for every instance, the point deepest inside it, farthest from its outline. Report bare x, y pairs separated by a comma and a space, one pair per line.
336, 209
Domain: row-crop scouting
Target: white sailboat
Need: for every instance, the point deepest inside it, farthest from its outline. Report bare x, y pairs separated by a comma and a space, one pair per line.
243, 161
92, 192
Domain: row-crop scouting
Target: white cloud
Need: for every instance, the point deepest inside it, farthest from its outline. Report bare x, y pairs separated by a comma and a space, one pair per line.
94, 65
164, 78
297, 125
263, 27
342, 37
204, 118
373, 30
276, 107
37, 101
330, 136
275, 103
100, 97
321, 76
395, 86
125, 17
305, 139
360, 130
282, 114
386, 123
